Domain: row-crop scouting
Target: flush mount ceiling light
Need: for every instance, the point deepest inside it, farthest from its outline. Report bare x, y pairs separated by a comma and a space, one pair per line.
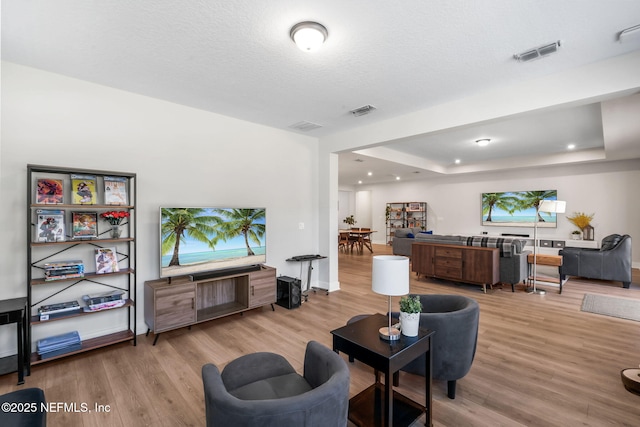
483, 142
308, 35
537, 52
629, 33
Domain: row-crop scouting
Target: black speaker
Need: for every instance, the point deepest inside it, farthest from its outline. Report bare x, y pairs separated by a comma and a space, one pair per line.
289, 292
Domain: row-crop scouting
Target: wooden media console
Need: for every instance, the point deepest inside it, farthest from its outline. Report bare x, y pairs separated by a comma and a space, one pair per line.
179, 302
466, 264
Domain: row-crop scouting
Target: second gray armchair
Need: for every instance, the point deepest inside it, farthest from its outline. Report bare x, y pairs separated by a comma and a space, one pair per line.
611, 262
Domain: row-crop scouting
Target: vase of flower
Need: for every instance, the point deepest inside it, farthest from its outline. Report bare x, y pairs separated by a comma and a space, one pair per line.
115, 231
115, 218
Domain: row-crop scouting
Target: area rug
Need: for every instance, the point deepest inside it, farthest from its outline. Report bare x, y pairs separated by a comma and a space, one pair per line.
611, 306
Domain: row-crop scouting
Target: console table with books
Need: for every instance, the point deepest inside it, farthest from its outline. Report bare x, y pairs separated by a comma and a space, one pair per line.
15, 311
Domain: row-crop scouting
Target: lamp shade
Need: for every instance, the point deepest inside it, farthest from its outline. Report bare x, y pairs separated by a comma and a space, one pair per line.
552, 206
390, 275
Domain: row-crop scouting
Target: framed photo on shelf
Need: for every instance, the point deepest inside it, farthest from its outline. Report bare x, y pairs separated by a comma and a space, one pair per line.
413, 207
83, 189
106, 261
50, 225
115, 190
49, 191
84, 225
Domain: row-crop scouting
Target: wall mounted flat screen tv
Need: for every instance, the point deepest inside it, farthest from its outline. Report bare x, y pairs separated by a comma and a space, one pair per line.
201, 240
517, 209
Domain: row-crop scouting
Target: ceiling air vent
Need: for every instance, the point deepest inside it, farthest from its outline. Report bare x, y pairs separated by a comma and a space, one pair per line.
362, 110
537, 52
305, 126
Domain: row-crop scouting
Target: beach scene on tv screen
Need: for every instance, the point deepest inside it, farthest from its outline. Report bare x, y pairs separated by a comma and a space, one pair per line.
195, 240
517, 209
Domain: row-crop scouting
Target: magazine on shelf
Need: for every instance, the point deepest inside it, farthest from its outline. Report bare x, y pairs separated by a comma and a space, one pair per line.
106, 261
63, 270
114, 295
83, 189
115, 190
62, 309
49, 191
84, 225
50, 225
59, 344
59, 307
104, 305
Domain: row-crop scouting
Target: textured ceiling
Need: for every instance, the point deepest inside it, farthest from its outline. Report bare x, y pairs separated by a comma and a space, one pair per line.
236, 58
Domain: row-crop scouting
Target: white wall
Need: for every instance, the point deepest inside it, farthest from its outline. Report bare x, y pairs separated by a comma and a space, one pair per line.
454, 203
182, 156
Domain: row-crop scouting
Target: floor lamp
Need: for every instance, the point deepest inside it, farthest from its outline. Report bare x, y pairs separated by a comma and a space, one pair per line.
390, 276
548, 206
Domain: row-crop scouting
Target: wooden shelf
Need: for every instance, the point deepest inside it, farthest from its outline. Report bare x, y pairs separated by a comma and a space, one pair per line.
39, 253
87, 276
81, 207
220, 310
90, 344
83, 242
35, 320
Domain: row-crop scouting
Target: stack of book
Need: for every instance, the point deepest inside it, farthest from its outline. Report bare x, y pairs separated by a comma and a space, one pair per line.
60, 309
112, 299
59, 344
63, 270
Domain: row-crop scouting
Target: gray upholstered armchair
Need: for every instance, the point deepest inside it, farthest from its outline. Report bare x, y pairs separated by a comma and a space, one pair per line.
33, 416
611, 262
263, 389
454, 318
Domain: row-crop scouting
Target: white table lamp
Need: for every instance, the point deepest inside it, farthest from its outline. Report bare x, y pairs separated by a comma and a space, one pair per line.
390, 276
548, 206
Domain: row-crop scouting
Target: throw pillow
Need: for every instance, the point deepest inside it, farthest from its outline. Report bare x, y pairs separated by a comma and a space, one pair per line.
610, 242
410, 235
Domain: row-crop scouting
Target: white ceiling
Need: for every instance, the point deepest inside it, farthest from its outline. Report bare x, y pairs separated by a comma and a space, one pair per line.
236, 58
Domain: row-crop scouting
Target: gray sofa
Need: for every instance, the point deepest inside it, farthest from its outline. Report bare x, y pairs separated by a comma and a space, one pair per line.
611, 262
513, 262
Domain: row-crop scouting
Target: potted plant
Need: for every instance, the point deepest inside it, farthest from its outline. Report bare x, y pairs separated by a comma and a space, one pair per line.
583, 222
349, 220
576, 234
410, 309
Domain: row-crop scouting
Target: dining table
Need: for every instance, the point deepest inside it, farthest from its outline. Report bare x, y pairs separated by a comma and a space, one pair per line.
360, 239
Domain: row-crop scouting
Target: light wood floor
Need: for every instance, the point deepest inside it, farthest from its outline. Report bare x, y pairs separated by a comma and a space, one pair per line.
540, 360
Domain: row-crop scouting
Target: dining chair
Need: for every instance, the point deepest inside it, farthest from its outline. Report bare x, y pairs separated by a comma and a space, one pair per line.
355, 239
366, 239
343, 241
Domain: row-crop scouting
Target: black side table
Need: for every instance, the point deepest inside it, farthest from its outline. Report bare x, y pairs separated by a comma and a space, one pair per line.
15, 311
380, 405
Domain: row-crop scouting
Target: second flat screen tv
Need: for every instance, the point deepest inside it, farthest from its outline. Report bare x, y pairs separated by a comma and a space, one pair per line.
202, 240
517, 209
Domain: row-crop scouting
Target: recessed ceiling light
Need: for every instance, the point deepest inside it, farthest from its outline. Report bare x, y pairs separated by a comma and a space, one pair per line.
369, 173
483, 142
457, 161
359, 182
397, 178
571, 146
